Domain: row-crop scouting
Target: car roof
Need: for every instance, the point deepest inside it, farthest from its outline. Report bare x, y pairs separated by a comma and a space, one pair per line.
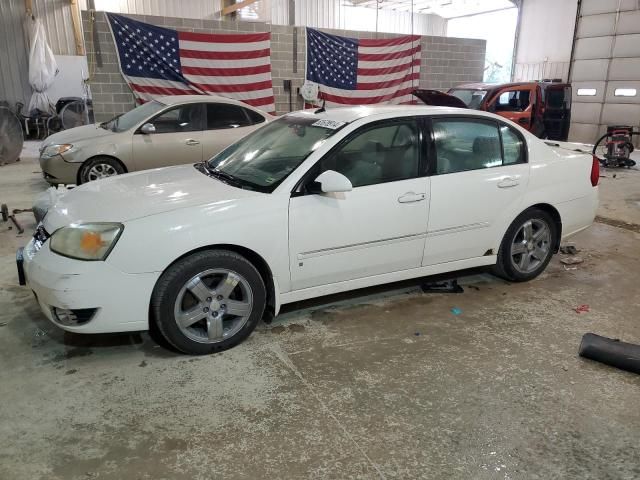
175, 99
350, 114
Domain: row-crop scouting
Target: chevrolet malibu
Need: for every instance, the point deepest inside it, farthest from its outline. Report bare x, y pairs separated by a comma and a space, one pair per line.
167, 131
314, 203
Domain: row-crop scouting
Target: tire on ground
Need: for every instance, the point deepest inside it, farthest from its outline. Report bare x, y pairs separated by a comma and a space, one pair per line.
175, 277
504, 267
83, 174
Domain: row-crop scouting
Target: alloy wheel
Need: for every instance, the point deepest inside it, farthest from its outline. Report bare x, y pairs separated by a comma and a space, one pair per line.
213, 305
101, 170
531, 245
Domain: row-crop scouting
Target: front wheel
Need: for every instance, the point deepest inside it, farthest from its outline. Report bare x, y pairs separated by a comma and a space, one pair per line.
527, 247
208, 302
99, 167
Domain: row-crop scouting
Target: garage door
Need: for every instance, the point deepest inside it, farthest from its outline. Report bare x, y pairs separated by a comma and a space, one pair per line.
605, 71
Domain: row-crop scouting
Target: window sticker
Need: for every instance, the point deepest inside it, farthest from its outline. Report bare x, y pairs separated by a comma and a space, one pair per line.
325, 123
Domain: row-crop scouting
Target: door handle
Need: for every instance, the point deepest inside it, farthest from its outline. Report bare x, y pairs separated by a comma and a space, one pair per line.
508, 182
411, 197
191, 142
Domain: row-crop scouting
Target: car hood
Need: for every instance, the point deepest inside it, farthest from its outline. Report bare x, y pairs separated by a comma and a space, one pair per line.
77, 134
140, 194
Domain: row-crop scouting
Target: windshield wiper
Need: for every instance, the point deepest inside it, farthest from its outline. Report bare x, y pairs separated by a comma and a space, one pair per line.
225, 177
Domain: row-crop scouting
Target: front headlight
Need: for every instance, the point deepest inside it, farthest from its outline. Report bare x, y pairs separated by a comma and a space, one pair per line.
56, 149
86, 241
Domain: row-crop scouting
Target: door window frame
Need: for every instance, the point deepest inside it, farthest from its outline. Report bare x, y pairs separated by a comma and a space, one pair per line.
203, 119
250, 122
299, 189
433, 154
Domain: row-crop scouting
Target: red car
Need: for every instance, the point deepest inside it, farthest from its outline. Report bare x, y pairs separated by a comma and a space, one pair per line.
543, 108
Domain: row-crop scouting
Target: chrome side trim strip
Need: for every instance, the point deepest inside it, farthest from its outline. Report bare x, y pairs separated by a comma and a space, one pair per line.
358, 246
462, 228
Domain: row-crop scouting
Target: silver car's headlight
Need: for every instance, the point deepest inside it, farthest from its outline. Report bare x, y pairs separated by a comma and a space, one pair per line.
86, 241
56, 149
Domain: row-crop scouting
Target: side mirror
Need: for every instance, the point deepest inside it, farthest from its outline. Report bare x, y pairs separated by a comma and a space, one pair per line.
331, 181
148, 128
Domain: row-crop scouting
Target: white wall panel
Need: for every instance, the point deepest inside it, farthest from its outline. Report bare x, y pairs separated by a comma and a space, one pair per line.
624, 69
590, 70
586, 112
597, 25
620, 114
594, 47
629, 22
207, 9
595, 7
545, 39
600, 88
627, 46
610, 96
583, 132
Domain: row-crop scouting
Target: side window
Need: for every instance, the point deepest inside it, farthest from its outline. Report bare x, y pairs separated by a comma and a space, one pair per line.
225, 115
385, 153
513, 101
466, 145
254, 117
512, 146
185, 118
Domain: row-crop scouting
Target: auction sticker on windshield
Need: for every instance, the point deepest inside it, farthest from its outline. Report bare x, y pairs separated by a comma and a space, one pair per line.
332, 124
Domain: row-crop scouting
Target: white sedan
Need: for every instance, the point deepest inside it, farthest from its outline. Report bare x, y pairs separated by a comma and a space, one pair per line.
314, 203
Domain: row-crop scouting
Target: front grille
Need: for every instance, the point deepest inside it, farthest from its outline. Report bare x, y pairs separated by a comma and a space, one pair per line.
39, 237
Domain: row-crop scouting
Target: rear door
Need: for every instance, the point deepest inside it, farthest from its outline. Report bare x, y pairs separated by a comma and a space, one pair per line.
177, 139
226, 124
515, 103
477, 186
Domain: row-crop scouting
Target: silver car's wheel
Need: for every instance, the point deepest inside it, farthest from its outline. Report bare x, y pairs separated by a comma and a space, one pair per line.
101, 170
100, 167
213, 305
531, 246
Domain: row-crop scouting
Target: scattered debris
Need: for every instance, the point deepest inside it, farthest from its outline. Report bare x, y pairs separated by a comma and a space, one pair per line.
570, 268
571, 260
565, 368
417, 334
2, 324
569, 249
611, 351
143, 363
456, 311
448, 286
582, 309
474, 287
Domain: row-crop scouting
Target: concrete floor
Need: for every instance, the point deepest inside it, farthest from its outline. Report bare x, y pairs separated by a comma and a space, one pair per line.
381, 383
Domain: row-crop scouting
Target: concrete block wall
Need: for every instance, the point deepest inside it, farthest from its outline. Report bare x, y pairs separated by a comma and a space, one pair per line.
446, 61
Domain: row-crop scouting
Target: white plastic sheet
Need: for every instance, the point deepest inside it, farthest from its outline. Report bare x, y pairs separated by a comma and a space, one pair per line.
43, 69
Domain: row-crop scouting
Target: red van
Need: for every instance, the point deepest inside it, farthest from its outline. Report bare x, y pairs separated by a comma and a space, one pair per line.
543, 108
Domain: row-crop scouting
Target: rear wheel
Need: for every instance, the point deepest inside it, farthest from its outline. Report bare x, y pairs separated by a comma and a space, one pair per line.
208, 302
100, 167
527, 247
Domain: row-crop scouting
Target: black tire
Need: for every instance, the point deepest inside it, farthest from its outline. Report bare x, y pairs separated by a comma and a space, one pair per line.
109, 164
506, 266
172, 283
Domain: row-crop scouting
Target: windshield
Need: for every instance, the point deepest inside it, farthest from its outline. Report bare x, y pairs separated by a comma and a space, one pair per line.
264, 158
471, 98
133, 117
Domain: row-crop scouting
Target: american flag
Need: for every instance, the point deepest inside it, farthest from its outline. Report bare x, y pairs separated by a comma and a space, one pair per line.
354, 71
157, 61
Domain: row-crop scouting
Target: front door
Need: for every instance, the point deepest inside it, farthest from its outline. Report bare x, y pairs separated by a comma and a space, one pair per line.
480, 178
517, 104
379, 226
177, 138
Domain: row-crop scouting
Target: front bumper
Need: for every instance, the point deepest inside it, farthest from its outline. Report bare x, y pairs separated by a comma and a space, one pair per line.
57, 171
121, 299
